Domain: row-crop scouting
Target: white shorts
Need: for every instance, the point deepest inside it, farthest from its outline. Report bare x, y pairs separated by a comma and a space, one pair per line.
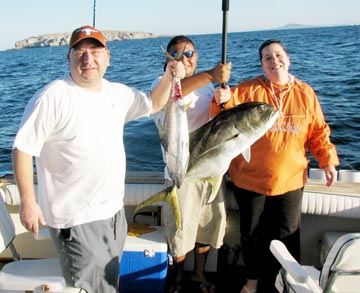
202, 222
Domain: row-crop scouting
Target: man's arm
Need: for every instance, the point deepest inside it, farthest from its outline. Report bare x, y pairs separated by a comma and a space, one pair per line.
220, 74
161, 93
30, 212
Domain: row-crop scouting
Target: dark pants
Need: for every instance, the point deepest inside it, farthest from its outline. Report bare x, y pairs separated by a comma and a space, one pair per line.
262, 219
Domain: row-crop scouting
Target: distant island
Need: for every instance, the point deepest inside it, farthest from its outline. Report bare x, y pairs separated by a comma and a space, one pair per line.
296, 25
62, 39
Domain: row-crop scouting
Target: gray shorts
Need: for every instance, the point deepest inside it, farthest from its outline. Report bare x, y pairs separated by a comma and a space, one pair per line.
90, 253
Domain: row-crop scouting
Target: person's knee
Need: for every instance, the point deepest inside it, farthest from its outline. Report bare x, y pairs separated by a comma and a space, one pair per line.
179, 259
202, 248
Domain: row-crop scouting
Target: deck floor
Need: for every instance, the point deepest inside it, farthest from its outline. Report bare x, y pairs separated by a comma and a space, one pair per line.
229, 280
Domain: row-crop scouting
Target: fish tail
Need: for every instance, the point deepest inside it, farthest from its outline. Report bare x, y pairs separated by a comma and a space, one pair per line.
170, 196
160, 196
173, 200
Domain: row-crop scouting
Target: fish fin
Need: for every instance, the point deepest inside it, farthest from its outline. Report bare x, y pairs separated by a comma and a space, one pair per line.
160, 125
170, 196
160, 196
161, 131
208, 150
215, 183
187, 106
173, 200
217, 146
167, 54
247, 155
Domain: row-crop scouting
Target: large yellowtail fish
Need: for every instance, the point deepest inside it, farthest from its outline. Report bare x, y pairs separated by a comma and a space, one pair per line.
214, 145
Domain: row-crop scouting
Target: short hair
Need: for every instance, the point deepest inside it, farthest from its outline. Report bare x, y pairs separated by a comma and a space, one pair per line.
268, 43
179, 39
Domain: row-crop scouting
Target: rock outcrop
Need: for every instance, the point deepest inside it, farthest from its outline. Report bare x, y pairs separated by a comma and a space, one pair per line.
62, 39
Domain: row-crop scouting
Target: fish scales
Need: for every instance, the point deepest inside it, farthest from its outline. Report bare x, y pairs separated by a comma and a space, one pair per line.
227, 135
175, 135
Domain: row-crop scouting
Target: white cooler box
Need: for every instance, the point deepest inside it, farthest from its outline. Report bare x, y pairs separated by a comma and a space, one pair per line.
144, 263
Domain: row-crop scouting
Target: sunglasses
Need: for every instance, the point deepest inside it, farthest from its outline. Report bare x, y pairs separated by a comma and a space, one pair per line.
187, 54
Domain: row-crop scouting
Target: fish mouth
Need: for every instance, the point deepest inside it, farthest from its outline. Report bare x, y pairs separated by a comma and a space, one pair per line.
274, 115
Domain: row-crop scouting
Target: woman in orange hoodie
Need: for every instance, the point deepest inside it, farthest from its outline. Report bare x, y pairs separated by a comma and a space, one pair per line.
269, 188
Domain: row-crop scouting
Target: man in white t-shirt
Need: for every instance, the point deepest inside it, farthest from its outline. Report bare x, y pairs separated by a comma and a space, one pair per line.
74, 129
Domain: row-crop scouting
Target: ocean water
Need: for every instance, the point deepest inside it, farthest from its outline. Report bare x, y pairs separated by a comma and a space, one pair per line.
327, 58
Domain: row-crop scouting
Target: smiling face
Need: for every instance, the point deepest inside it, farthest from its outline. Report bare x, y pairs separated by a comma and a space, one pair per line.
188, 59
88, 61
275, 62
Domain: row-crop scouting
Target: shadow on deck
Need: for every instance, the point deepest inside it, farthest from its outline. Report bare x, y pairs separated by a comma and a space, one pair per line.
229, 279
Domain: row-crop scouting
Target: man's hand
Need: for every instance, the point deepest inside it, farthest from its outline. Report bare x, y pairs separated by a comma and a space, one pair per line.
222, 95
31, 215
175, 69
221, 73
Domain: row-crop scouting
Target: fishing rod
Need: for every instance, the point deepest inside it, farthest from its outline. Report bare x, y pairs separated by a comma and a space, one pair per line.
94, 10
225, 8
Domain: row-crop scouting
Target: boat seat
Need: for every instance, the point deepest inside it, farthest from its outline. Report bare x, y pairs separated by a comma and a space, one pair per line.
37, 275
10, 193
339, 274
340, 200
327, 241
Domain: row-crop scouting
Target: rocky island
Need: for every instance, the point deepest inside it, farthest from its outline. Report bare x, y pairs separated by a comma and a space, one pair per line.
62, 39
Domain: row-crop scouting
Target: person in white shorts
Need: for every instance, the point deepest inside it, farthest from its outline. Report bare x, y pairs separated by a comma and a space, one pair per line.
203, 219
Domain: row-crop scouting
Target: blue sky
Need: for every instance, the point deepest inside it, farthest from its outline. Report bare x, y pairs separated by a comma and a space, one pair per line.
20, 19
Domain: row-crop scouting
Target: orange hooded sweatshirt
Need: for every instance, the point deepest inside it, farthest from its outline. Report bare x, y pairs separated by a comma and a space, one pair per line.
278, 161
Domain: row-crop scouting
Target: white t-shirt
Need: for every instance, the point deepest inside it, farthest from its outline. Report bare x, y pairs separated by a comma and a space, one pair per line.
77, 139
197, 115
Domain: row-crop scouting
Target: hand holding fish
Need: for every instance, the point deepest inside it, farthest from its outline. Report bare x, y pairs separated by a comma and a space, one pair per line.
222, 95
175, 69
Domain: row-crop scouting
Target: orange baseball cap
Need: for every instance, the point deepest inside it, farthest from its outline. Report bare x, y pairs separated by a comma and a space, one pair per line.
86, 32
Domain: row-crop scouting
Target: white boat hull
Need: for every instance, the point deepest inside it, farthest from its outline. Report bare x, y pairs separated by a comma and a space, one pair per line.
323, 210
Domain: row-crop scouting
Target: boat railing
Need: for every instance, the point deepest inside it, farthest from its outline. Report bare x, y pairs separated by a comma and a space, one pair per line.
342, 199
343, 175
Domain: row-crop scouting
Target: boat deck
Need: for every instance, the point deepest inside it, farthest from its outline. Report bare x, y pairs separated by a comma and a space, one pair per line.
228, 280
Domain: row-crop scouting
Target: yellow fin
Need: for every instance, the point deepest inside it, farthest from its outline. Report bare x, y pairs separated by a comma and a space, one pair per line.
169, 195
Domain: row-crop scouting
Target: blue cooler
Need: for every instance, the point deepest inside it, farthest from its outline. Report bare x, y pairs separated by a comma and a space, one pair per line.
144, 263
